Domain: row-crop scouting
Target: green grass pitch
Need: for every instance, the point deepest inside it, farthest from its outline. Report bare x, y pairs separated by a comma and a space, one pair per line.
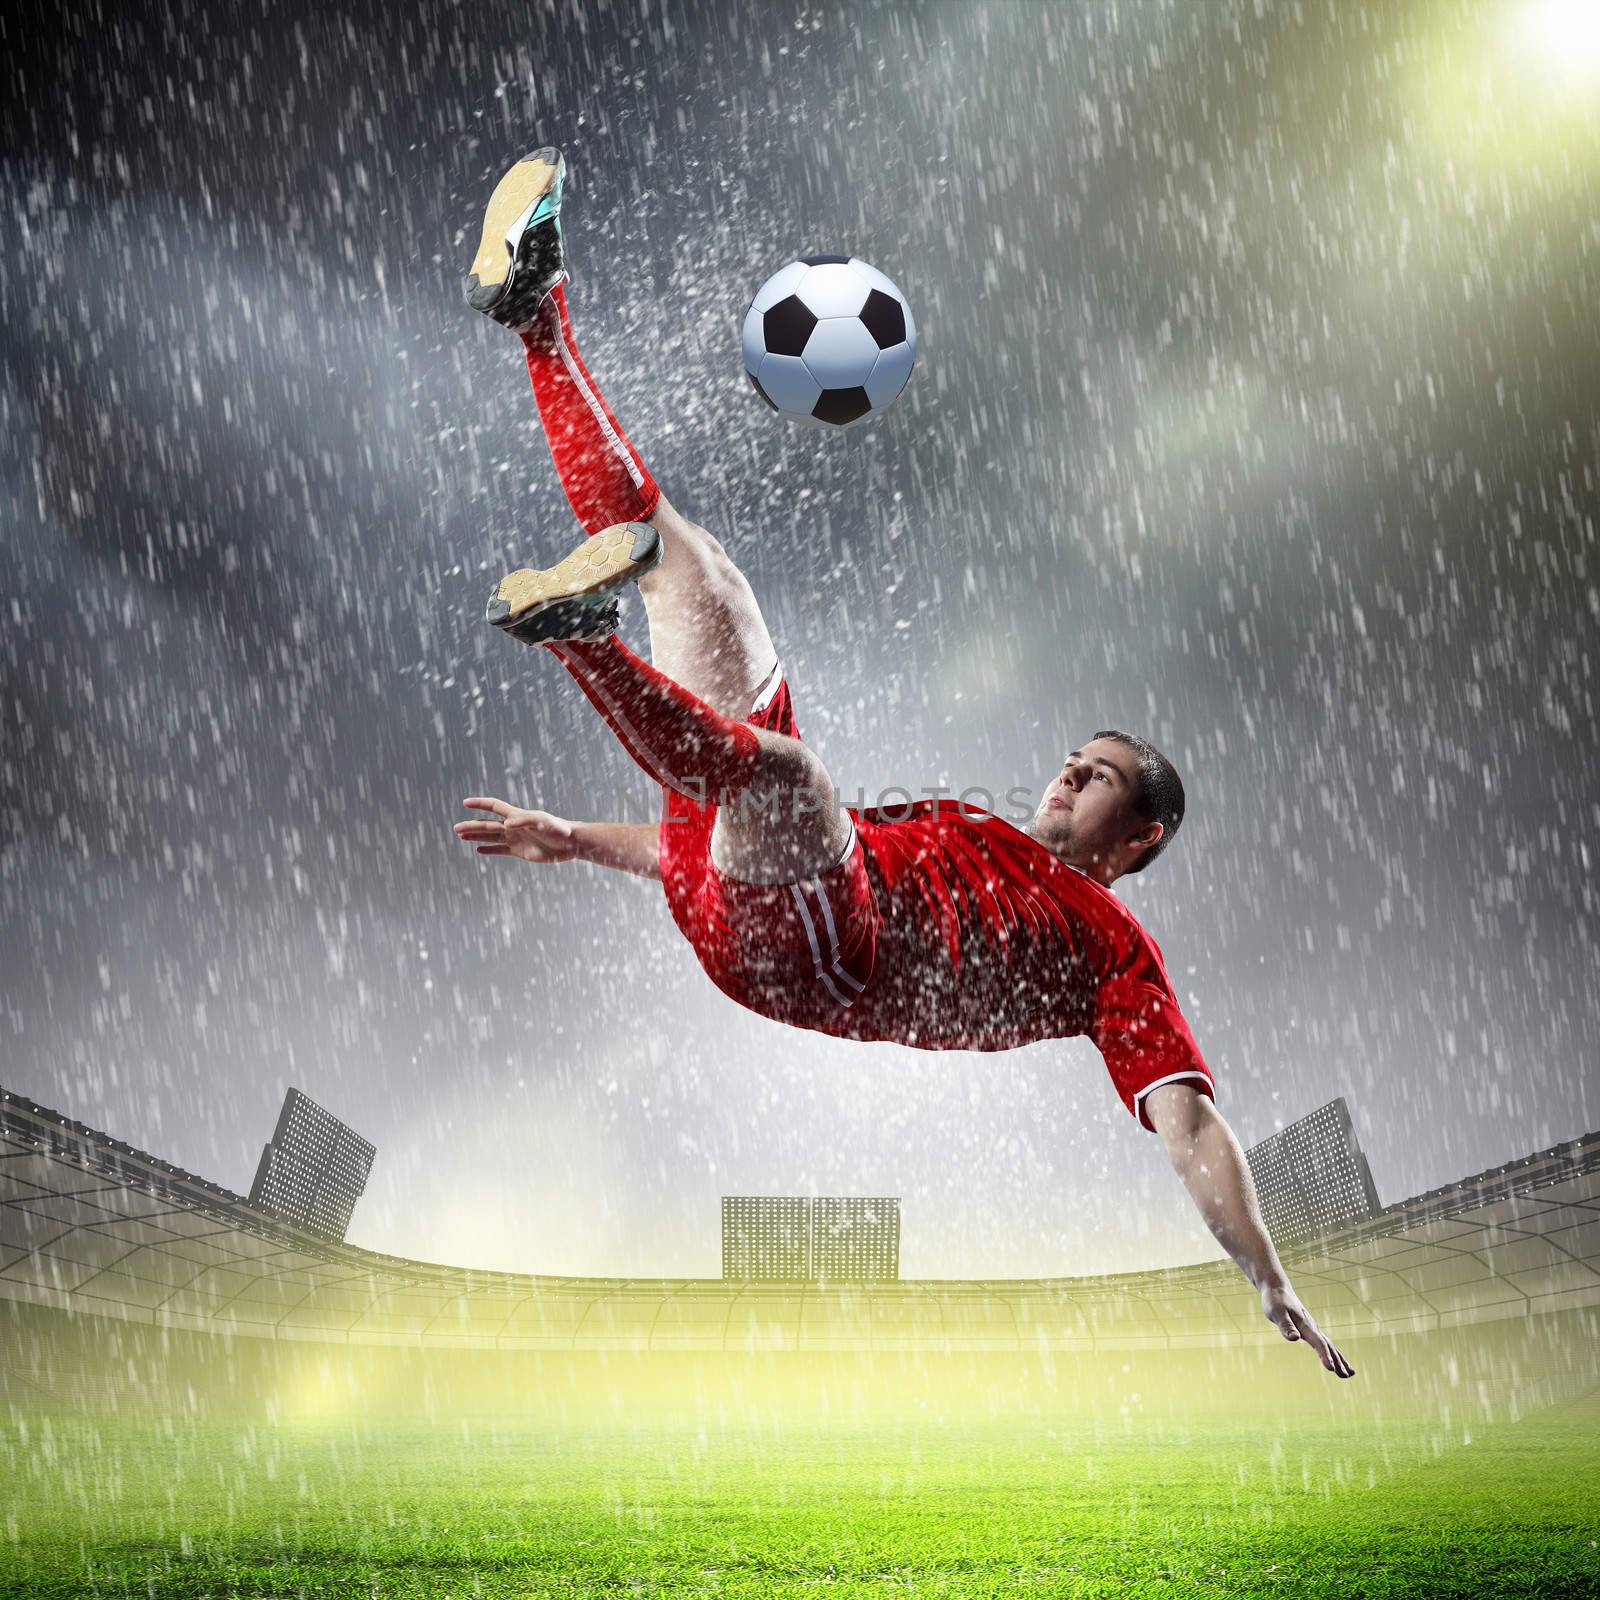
675, 1481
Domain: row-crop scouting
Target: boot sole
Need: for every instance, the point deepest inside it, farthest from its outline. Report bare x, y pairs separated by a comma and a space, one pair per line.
599, 567
516, 194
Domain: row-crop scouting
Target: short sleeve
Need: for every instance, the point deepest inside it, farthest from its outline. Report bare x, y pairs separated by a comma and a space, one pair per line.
1146, 1042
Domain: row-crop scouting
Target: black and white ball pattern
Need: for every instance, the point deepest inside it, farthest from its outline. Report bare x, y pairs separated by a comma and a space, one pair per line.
829, 340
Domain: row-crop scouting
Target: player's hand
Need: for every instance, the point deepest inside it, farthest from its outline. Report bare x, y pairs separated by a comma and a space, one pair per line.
1284, 1310
508, 830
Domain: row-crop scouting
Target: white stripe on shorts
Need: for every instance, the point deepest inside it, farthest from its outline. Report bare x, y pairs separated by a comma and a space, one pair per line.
833, 933
835, 965
768, 690
823, 977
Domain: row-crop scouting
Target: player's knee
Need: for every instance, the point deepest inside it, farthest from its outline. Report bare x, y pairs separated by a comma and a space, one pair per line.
690, 536
711, 545
707, 572
787, 824
716, 569
785, 763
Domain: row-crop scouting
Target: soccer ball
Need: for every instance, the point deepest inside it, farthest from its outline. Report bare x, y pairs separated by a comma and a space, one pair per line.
829, 340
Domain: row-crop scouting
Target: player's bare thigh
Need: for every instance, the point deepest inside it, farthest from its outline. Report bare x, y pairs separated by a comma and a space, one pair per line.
707, 633
706, 630
787, 826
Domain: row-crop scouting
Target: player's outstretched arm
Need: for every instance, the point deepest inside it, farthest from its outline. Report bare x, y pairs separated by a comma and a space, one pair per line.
1206, 1155
545, 840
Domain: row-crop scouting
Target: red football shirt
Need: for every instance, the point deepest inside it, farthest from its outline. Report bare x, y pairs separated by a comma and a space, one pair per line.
983, 941
987, 941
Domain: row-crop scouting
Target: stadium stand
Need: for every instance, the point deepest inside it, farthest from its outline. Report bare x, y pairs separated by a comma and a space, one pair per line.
91, 1225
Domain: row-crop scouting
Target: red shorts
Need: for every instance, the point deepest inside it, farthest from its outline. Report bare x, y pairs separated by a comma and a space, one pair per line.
798, 953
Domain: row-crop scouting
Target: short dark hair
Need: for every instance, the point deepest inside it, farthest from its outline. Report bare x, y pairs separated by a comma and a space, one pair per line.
1157, 793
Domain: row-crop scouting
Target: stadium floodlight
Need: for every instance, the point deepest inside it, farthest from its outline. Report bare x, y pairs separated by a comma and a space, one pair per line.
810, 1239
1312, 1178
314, 1169
855, 1240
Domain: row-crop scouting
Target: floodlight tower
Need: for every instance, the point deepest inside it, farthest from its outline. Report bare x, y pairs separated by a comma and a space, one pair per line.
314, 1169
1312, 1177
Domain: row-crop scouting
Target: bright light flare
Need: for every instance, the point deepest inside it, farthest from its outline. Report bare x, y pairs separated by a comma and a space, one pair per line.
1566, 34
1514, 88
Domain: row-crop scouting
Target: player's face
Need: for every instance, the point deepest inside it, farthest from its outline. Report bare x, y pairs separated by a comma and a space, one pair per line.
1088, 814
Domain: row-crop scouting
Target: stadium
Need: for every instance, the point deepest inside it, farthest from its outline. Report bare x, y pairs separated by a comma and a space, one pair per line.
93, 1228
154, 1322
946, 380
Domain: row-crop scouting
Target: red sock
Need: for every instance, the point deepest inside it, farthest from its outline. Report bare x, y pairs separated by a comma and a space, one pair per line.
674, 735
605, 480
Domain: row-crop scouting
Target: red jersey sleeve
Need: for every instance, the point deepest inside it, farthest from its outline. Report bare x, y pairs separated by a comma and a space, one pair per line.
1146, 1042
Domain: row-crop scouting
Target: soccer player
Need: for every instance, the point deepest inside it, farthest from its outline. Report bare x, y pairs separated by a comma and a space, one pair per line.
935, 924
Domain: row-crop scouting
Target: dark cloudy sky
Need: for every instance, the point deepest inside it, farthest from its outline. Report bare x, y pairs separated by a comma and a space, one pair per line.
1255, 410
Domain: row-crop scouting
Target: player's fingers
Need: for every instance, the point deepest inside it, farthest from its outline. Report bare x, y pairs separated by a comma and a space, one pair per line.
1307, 1329
485, 802
493, 850
480, 829
1331, 1359
1313, 1336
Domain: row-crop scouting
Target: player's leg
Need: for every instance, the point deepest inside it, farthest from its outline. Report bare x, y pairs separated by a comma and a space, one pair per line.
706, 630
706, 627
788, 826
778, 817
778, 813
